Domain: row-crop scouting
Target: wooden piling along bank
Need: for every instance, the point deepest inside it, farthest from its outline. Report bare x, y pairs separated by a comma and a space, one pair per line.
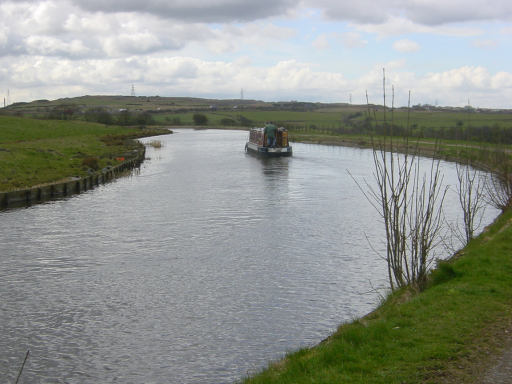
34, 195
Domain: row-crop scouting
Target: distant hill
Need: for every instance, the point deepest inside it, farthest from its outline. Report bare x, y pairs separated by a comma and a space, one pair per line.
158, 104
154, 104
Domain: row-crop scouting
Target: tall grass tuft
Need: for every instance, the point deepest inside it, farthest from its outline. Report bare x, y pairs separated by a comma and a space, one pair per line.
91, 162
156, 144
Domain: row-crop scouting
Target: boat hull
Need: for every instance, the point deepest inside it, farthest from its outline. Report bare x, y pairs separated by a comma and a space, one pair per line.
268, 151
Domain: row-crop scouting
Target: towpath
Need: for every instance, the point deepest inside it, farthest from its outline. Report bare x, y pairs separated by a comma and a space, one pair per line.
500, 370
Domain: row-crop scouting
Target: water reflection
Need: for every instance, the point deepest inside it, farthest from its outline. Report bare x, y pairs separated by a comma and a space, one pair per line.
275, 168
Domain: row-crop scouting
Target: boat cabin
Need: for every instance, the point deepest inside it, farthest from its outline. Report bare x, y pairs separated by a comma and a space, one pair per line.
258, 143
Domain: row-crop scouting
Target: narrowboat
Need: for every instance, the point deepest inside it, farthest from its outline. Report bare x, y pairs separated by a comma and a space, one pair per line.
258, 144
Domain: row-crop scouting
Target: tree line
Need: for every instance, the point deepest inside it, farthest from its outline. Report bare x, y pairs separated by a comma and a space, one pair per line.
488, 133
100, 115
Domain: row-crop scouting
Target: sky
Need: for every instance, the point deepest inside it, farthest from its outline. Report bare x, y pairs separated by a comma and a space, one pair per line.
441, 52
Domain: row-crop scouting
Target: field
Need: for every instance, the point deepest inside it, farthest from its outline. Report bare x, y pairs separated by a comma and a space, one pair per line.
480, 125
330, 118
34, 152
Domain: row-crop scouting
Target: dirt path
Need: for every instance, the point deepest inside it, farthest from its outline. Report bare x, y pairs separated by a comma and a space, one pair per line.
500, 372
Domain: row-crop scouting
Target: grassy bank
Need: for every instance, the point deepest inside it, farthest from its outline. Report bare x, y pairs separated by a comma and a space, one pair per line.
34, 152
480, 154
445, 334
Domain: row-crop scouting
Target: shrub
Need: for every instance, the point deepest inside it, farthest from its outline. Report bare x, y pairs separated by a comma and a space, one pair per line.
99, 115
200, 119
91, 162
443, 273
245, 121
228, 122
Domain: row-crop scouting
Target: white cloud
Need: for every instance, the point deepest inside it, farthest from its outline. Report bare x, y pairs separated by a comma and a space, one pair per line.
131, 43
456, 86
195, 11
175, 75
406, 46
50, 46
56, 48
353, 40
502, 80
432, 12
86, 23
45, 29
436, 12
3, 37
42, 17
398, 25
452, 87
294, 75
171, 76
321, 42
460, 78
259, 34
48, 13
485, 44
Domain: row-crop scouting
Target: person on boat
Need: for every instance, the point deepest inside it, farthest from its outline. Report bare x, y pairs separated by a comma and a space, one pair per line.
270, 131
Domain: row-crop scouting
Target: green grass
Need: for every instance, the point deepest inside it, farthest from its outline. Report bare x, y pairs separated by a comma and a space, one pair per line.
446, 118
329, 118
320, 118
441, 335
34, 152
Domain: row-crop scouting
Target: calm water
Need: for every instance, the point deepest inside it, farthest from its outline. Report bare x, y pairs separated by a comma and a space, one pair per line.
201, 268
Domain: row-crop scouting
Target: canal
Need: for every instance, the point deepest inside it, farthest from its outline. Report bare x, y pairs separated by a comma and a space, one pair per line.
201, 267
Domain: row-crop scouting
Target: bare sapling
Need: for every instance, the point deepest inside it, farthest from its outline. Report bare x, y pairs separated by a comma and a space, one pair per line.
499, 182
425, 221
409, 201
470, 190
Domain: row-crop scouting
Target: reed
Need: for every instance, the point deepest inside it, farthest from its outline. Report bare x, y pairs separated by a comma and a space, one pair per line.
156, 144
